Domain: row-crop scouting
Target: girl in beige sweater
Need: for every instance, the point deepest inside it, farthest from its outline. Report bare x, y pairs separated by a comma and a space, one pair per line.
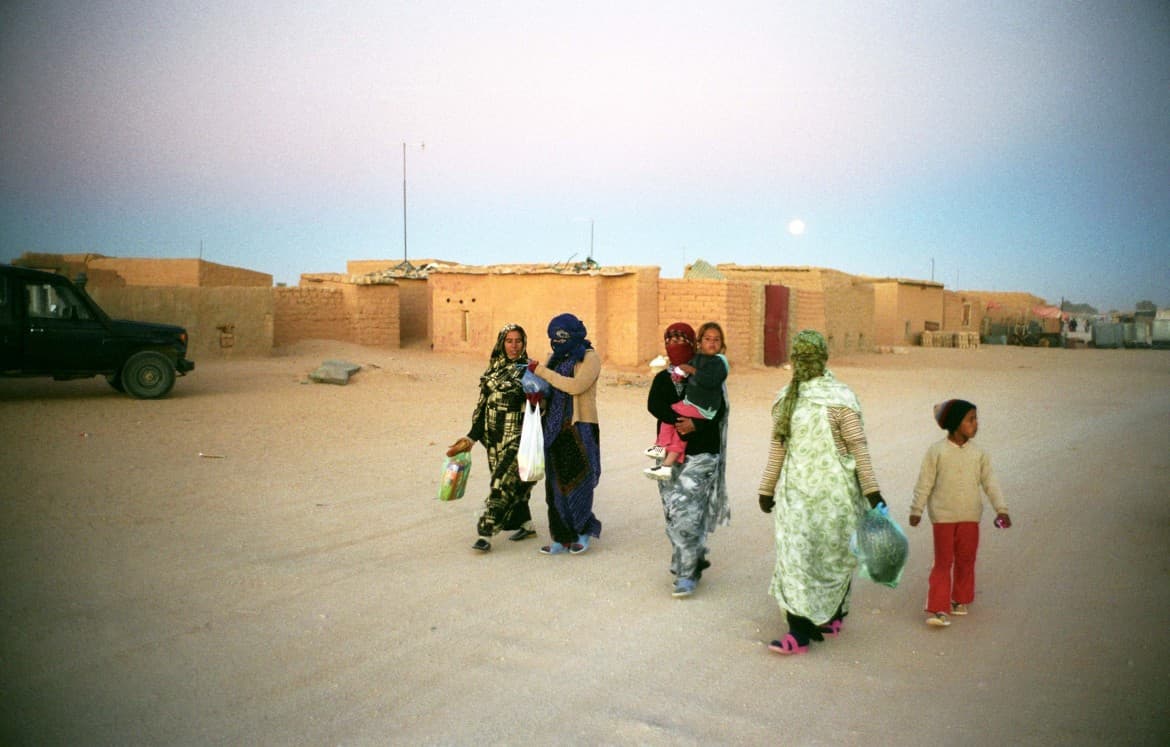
953, 473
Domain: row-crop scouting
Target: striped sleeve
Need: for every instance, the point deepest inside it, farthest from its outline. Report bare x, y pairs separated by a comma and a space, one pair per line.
849, 436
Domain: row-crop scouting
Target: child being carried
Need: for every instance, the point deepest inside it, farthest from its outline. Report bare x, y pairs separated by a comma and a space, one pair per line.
703, 375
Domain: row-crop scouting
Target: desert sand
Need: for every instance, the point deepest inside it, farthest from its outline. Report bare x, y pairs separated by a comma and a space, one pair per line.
299, 583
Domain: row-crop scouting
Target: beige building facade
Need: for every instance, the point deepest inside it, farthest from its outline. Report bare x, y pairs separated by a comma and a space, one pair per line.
460, 308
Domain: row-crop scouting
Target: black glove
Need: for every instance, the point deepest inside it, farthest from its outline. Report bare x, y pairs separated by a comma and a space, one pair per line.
875, 499
766, 503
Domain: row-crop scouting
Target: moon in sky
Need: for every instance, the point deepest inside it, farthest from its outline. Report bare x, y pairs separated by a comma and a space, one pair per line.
796, 226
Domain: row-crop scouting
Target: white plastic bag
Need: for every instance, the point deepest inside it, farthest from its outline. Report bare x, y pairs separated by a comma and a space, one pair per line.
530, 459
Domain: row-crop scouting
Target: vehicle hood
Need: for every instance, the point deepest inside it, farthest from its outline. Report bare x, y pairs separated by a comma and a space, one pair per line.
152, 329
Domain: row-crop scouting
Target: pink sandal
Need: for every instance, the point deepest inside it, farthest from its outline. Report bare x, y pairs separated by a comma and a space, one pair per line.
788, 645
833, 629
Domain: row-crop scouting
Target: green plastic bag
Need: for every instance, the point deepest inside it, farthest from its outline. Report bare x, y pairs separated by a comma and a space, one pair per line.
454, 479
881, 547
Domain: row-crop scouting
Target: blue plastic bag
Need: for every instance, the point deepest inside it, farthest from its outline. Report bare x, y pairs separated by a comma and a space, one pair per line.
881, 547
533, 384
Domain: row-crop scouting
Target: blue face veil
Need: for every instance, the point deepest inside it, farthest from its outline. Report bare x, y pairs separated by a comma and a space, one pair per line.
566, 335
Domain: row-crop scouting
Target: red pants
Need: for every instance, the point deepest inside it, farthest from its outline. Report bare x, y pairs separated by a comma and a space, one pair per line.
955, 546
668, 437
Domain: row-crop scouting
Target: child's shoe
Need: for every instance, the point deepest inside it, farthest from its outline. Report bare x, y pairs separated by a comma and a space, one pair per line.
655, 452
661, 472
938, 619
684, 587
958, 609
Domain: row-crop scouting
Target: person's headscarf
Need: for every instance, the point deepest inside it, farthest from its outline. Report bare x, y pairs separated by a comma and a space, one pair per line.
809, 354
502, 373
950, 413
566, 336
679, 352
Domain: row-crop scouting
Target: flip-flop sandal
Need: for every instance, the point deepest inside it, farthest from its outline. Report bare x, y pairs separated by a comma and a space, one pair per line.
788, 645
555, 548
833, 629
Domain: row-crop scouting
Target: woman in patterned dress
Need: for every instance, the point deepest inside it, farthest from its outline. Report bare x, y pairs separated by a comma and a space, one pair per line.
818, 470
496, 423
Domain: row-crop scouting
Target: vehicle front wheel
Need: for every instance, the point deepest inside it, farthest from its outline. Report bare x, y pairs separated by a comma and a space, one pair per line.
148, 375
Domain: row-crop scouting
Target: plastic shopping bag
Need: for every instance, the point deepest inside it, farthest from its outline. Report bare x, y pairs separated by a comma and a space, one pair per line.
530, 458
533, 384
454, 480
881, 547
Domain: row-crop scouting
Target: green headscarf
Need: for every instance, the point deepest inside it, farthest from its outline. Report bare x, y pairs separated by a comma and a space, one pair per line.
810, 352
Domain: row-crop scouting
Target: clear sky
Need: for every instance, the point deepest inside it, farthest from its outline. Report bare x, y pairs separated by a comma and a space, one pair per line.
991, 145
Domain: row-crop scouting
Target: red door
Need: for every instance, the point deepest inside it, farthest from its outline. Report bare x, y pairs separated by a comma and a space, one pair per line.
775, 325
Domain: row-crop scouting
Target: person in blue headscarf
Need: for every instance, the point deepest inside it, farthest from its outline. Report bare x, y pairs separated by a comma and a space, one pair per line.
572, 450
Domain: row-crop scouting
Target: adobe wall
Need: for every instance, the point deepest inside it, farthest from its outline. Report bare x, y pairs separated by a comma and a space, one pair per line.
629, 307
904, 310
414, 295
735, 304
470, 308
955, 303
414, 310
849, 316
212, 274
116, 272
220, 322
326, 307
834, 303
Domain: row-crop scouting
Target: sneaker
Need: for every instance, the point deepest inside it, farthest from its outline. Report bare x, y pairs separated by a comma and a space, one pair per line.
958, 609
655, 452
482, 545
938, 619
661, 472
684, 587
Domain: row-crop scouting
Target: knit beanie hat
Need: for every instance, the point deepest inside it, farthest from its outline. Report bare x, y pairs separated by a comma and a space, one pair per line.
950, 413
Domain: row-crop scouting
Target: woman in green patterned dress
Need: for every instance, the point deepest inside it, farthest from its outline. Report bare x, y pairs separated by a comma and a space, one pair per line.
496, 423
818, 470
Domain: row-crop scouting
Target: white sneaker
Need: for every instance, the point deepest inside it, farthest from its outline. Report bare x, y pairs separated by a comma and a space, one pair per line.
661, 472
938, 619
655, 452
958, 609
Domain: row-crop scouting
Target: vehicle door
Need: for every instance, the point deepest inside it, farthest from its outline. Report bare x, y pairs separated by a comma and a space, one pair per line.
9, 328
63, 333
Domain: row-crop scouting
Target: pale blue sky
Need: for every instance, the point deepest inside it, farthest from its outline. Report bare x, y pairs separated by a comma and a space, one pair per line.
1000, 145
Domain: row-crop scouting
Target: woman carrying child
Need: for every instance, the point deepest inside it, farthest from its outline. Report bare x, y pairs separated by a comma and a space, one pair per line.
694, 496
702, 377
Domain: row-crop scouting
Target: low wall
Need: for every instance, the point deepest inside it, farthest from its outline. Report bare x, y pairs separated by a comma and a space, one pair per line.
220, 322
335, 310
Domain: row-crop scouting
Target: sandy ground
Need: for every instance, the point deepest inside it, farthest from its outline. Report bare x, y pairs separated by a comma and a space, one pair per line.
308, 588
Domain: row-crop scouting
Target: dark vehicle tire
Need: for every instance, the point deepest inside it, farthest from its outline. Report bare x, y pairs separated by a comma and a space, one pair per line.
148, 375
115, 380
